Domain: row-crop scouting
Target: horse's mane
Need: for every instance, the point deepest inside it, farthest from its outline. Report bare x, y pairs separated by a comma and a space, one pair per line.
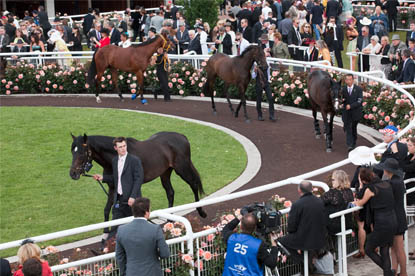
249, 48
147, 42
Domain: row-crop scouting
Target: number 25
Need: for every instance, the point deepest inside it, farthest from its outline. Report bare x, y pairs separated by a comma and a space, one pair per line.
239, 248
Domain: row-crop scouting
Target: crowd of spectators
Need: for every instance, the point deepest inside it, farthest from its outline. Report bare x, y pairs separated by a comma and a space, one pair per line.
306, 30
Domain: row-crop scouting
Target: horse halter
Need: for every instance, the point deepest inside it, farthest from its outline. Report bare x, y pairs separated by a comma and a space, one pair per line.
164, 43
87, 166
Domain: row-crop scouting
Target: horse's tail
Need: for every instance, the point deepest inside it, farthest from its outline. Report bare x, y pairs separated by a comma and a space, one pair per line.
197, 180
92, 72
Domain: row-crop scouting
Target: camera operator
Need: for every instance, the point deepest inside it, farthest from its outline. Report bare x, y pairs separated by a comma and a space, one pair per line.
245, 254
307, 224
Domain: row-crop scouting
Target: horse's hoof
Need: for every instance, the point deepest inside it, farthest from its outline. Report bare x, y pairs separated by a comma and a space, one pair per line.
98, 100
144, 101
317, 136
236, 115
329, 150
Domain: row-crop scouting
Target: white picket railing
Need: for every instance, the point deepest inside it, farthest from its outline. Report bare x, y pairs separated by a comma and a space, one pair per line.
190, 236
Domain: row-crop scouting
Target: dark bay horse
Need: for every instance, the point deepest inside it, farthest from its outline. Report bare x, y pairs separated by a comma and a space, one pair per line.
324, 97
134, 59
160, 155
234, 71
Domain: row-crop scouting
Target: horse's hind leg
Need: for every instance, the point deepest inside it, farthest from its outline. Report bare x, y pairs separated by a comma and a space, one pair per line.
316, 125
114, 75
186, 170
225, 88
165, 181
327, 132
108, 206
140, 81
98, 86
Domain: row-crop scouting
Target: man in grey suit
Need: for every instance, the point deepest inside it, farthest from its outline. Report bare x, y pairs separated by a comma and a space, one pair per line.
140, 244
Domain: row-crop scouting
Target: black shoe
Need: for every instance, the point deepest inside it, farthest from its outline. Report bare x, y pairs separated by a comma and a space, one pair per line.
260, 118
272, 119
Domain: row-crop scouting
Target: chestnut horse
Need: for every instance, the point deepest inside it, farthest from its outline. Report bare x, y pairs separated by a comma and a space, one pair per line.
234, 71
134, 59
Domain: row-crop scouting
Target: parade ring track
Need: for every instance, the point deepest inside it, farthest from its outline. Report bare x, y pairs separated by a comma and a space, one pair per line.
286, 148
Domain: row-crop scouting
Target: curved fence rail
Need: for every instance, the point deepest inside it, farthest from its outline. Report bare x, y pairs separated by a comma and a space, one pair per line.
191, 240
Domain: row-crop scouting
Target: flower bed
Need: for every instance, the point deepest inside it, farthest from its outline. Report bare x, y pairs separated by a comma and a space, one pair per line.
381, 106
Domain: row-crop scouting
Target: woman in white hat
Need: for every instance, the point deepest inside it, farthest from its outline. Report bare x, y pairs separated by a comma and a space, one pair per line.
372, 48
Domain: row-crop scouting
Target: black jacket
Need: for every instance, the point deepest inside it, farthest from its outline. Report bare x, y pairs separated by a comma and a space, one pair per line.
313, 56
408, 71
87, 24
263, 256
329, 38
131, 178
247, 33
44, 21
292, 38
307, 224
391, 7
355, 101
115, 36
400, 155
194, 45
226, 44
409, 170
257, 31
333, 9
122, 25
245, 13
183, 39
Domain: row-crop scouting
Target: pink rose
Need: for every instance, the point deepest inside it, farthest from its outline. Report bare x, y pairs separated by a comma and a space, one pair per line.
200, 84
381, 122
374, 109
387, 119
187, 73
173, 80
47, 89
181, 92
7, 86
168, 226
370, 116
15, 88
133, 91
201, 252
187, 258
86, 85
20, 76
364, 103
55, 86
109, 77
8, 92
207, 256
210, 237
170, 84
48, 82
366, 116
133, 85
134, 78
3, 81
75, 81
60, 87
167, 270
292, 86
202, 95
287, 203
282, 94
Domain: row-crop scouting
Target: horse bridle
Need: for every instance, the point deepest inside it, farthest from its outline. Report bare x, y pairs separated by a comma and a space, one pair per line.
87, 166
164, 43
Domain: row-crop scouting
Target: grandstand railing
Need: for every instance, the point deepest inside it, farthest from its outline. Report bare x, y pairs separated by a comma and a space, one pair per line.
189, 238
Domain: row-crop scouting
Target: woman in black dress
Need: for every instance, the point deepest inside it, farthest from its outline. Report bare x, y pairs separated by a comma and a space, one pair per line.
379, 197
76, 40
394, 175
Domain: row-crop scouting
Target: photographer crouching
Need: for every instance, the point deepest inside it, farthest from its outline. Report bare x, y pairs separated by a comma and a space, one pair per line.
246, 254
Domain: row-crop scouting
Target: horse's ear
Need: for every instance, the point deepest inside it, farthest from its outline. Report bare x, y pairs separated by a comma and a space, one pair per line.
85, 138
73, 137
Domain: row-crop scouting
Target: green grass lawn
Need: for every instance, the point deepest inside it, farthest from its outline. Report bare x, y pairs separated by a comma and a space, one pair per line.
37, 195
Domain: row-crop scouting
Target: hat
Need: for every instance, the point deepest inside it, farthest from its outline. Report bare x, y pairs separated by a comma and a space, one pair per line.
392, 130
362, 156
199, 26
264, 37
396, 37
365, 21
152, 29
390, 165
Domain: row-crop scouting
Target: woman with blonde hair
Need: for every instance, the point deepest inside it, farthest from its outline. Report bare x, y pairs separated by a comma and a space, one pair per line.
323, 51
337, 198
27, 251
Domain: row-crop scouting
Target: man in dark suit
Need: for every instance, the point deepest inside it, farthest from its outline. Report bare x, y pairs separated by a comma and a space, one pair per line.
140, 244
258, 29
286, 5
352, 110
334, 40
182, 37
88, 21
266, 44
174, 9
408, 69
44, 21
392, 7
245, 13
256, 13
332, 9
411, 33
4, 40
10, 28
194, 44
136, 24
115, 35
362, 41
246, 30
294, 38
394, 149
307, 224
128, 176
94, 34
121, 24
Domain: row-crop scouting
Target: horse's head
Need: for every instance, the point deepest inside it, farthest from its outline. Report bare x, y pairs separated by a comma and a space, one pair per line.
81, 156
335, 87
259, 57
167, 43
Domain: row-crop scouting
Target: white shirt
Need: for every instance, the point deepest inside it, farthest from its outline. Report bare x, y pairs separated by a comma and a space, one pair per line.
203, 42
121, 161
125, 44
243, 44
265, 11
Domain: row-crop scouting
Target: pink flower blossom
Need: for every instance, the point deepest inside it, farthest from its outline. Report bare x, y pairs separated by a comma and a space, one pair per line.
374, 109
55, 86
210, 237
274, 73
287, 203
282, 94
292, 86
173, 80
133, 85
133, 91
203, 64
202, 95
7, 86
187, 73
167, 270
181, 92
200, 84
366, 116
170, 84
86, 85
75, 81
199, 264
187, 258
102, 78
203, 244
60, 87
201, 252
134, 78
370, 116
364, 103
176, 232
168, 226
381, 122
47, 89
286, 85
20, 76
207, 256
387, 119
48, 82
3, 81
109, 77
103, 85
8, 92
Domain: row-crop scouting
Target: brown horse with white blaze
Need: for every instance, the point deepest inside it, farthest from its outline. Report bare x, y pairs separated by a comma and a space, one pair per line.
134, 59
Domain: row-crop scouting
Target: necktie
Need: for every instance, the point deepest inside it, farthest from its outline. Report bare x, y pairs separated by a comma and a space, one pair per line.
120, 169
99, 36
239, 50
350, 91
298, 36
